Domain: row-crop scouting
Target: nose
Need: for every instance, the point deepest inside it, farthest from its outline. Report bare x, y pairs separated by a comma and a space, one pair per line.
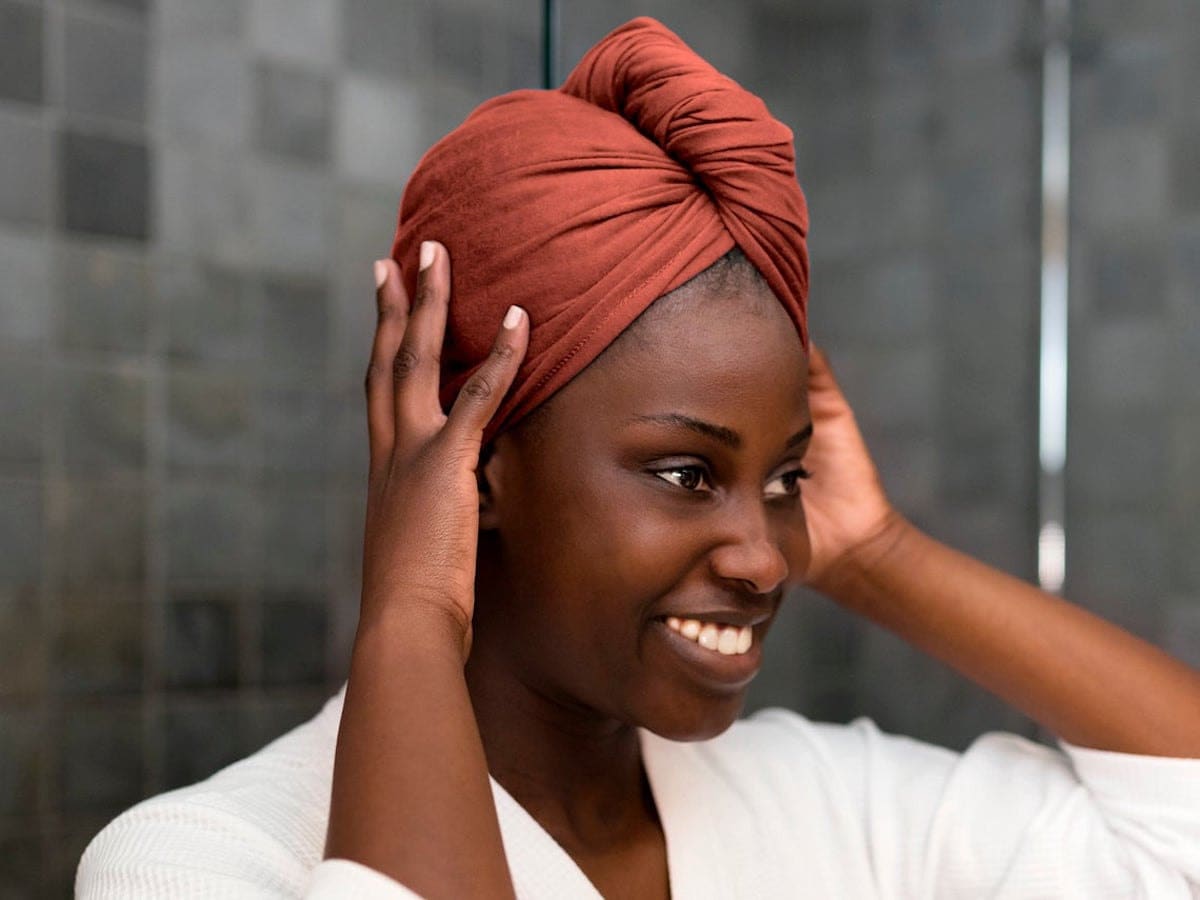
749, 551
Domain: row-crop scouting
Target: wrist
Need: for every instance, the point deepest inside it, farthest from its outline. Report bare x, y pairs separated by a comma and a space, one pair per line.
414, 629
864, 562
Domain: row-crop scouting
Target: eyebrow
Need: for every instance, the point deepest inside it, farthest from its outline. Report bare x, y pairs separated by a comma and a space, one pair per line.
718, 433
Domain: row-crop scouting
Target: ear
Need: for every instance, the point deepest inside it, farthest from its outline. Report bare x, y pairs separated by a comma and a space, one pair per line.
490, 480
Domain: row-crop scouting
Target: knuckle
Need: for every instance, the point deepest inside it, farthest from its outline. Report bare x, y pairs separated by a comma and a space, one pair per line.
478, 388
389, 310
372, 376
503, 352
404, 364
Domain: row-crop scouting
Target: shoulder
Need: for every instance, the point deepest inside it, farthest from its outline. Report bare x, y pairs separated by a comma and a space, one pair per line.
258, 822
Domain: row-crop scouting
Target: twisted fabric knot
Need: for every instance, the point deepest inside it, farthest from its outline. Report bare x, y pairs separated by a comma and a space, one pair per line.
586, 204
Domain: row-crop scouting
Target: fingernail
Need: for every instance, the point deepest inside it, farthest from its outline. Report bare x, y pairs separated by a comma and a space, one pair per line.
380, 273
513, 317
428, 249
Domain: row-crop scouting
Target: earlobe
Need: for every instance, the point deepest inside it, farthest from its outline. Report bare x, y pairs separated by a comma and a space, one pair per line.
487, 479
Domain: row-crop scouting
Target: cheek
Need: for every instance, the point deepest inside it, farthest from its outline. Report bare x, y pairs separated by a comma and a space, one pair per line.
795, 546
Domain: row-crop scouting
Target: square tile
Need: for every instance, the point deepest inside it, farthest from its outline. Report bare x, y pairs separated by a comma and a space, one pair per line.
459, 45
139, 7
186, 21
103, 299
22, 644
27, 183
304, 31
200, 644
204, 90
379, 135
105, 185
22, 399
20, 533
210, 311
293, 640
295, 428
295, 329
21, 871
201, 738
293, 112
210, 532
1123, 365
384, 37
26, 300
295, 538
103, 426
274, 716
1121, 176
106, 72
290, 217
203, 211
1124, 83
21, 740
1185, 179
1181, 633
100, 643
98, 533
102, 759
971, 32
208, 421
1128, 275
22, 33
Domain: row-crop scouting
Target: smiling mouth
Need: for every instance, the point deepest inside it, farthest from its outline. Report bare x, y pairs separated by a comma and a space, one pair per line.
728, 640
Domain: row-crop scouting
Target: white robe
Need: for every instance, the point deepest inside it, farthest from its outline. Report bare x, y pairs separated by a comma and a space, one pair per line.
778, 806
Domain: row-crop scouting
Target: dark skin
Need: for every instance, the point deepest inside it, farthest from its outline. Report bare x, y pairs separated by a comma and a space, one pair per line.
590, 527
569, 648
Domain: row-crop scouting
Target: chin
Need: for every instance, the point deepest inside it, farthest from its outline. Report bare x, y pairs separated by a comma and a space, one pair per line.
696, 719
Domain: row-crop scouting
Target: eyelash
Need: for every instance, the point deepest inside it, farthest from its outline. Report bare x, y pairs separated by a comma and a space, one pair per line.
797, 474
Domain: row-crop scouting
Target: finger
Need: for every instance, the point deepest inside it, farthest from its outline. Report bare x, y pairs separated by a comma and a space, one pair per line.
480, 397
391, 303
819, 369
416, 369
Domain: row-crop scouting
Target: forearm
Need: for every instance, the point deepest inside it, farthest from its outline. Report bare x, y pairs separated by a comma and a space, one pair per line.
411, 796
1081, 677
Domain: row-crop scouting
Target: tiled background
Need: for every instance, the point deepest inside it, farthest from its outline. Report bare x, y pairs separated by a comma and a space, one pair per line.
190, 197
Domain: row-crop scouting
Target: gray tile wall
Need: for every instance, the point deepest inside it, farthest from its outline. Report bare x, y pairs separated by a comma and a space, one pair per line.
1135, 320
191, 198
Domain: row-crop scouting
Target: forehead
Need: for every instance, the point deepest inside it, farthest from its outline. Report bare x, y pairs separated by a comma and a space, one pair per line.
731, 356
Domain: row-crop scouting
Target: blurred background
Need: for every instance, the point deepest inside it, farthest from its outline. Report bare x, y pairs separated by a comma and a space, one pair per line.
191, 195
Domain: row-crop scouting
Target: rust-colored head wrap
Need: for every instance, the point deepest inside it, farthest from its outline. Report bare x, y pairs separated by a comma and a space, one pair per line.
586, 204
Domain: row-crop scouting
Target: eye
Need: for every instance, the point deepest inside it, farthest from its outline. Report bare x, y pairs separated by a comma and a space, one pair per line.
690, 478
788, 483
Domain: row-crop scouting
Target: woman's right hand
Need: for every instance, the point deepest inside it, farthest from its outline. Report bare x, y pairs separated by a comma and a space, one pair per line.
422, 523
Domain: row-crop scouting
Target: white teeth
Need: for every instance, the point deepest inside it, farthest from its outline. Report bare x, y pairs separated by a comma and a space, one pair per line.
727, 643
728, 640
745, 639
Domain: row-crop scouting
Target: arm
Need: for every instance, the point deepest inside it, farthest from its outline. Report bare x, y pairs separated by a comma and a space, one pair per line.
411, 796
1090, 682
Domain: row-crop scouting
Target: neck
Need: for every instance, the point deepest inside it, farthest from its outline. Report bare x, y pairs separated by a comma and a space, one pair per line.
578, 773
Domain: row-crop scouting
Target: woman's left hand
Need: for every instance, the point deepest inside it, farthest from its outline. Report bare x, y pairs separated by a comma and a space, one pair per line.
844, 500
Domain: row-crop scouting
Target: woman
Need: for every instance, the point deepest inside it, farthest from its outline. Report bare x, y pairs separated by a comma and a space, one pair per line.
581, 521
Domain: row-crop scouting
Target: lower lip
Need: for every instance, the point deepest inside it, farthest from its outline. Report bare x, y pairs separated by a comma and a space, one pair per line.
717, 670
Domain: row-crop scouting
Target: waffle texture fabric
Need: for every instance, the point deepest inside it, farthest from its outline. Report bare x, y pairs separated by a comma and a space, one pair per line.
776, 807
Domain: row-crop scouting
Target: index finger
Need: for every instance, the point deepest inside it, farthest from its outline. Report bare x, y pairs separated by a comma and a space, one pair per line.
391, 303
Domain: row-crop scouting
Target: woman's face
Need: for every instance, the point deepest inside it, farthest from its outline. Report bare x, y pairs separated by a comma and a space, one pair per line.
660, 482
